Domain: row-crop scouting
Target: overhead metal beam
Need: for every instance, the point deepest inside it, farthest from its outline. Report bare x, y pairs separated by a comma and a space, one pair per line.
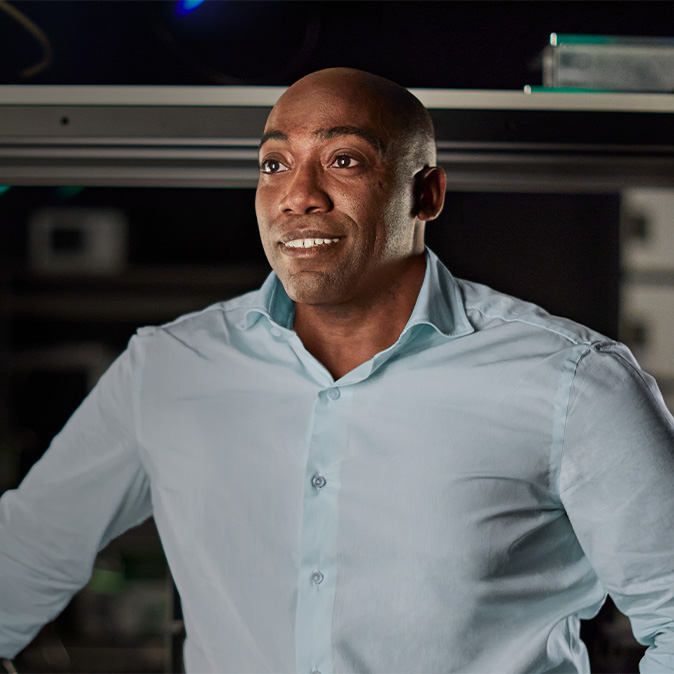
208, 136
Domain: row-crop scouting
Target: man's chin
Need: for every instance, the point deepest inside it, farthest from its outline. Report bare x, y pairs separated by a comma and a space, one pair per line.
311, 288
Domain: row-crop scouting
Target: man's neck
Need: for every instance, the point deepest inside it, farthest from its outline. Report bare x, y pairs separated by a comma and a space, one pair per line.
344, 336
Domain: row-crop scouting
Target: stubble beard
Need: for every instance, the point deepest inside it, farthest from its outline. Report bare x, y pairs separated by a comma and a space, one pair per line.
318, 288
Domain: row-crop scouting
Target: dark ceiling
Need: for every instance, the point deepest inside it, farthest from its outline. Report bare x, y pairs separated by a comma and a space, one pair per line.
477, 45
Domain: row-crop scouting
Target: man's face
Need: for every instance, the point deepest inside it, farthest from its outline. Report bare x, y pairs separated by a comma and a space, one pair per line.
334, 202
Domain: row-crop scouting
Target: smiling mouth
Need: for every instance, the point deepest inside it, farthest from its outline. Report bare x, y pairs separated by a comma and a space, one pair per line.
309, 243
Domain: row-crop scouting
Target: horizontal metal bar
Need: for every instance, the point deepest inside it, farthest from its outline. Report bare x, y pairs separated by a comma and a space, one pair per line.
111, 95
202, 137
464, 172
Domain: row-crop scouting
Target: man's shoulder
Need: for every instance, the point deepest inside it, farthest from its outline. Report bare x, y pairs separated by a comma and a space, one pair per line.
489, 309
220, 316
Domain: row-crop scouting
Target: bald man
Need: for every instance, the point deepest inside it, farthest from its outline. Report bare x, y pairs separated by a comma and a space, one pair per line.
367, 465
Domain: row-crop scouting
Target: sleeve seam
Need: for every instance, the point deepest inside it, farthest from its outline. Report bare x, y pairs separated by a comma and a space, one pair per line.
561, 412
136, 382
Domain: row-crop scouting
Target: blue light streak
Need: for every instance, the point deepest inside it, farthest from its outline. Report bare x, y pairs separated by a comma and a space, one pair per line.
184, 7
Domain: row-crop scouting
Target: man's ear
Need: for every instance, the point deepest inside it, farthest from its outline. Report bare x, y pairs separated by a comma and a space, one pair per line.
430, 185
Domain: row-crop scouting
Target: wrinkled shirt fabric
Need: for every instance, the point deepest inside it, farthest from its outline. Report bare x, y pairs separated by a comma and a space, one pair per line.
454, 504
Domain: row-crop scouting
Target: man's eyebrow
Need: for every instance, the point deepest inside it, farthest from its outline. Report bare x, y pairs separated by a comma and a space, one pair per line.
272, 135
332, 132
336, 131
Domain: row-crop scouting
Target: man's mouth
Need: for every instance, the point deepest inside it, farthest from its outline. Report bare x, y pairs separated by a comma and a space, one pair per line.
309, 243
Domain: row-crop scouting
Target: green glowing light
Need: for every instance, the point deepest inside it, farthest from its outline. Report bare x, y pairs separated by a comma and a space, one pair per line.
68, 192
105, 581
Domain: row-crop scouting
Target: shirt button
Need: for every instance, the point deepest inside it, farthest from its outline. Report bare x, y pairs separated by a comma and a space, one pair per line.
315, 671
318, 481
333, 393
275, 331
316, 577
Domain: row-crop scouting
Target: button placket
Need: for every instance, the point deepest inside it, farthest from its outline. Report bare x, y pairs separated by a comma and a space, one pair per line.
326, 443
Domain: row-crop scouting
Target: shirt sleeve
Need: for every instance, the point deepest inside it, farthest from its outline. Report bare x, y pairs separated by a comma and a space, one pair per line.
89, 487
617, 485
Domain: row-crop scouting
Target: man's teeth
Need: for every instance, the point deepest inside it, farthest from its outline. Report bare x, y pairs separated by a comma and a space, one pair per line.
308, 243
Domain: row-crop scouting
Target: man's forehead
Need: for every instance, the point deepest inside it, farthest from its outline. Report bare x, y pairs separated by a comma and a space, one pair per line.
311, 106
327, 133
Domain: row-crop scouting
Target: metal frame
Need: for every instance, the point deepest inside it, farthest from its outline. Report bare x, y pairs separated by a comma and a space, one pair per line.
208, 136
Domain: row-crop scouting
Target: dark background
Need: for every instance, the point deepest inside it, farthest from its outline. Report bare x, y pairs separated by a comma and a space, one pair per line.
472, 44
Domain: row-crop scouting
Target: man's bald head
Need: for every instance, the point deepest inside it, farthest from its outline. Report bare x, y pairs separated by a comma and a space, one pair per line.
400, 115
347, 164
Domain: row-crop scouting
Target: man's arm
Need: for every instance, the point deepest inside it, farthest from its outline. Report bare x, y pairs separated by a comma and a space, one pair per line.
89, 487
617, 484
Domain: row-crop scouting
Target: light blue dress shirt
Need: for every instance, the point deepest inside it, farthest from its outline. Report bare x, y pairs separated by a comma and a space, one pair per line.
455, 504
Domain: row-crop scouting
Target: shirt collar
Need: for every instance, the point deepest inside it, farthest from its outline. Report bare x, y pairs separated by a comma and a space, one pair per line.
439, 303
272, 302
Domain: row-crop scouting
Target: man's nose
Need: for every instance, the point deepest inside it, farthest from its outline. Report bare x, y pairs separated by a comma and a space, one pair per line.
305, 192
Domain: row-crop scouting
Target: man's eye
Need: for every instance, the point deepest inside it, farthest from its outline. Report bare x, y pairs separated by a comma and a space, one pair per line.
272, 166
345, 161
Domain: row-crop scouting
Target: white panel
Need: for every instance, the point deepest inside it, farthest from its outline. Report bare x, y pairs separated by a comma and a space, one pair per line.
655, 250
650, 308
77, 240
